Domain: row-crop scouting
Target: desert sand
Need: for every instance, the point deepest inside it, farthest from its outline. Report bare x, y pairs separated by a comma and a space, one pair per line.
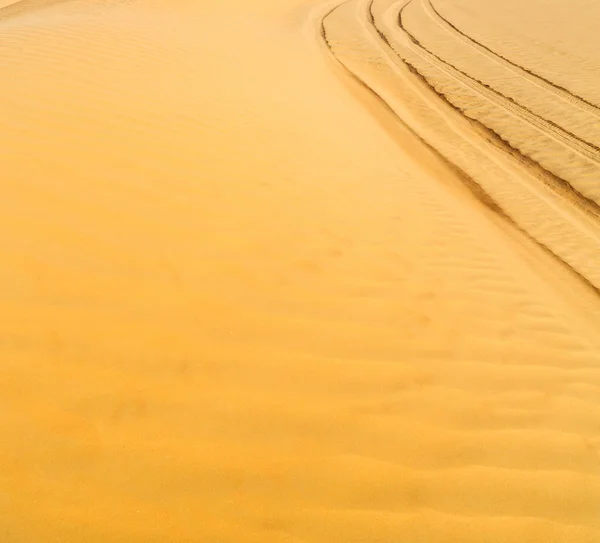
300, 271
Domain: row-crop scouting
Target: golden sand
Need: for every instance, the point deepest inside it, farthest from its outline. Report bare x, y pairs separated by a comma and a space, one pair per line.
297, 271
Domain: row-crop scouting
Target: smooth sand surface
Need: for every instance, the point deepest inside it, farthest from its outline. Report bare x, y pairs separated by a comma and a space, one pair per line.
297, 271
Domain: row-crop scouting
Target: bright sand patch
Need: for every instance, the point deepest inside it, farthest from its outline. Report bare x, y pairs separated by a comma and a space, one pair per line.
242, 302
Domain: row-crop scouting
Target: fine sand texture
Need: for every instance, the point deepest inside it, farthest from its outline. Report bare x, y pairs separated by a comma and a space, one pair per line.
299, 271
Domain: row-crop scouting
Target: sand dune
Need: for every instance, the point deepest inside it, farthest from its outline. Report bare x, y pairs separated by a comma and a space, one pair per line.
299, 271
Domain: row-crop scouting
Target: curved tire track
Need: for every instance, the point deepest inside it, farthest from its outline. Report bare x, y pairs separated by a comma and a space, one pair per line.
541, 81
549, 128
471, 184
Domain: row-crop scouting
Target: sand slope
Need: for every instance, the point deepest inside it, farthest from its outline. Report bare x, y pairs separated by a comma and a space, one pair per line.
296, 272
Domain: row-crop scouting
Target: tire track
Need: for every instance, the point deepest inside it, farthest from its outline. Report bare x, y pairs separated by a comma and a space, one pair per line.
559, 190
540, 99
558, 185
562, 184
561, 187
559, 91
469, 182
549, 128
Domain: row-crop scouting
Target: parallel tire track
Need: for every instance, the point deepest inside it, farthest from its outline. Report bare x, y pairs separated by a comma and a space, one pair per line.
541, 81
471, 184
559, 185
549, 128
